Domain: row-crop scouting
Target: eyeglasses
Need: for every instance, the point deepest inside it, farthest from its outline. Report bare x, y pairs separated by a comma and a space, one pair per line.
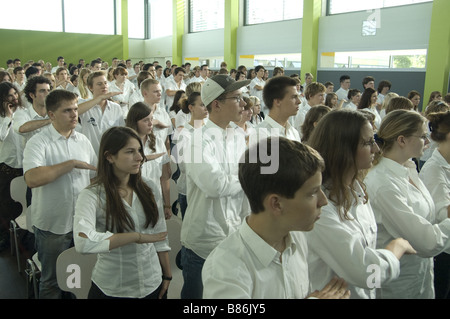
237, 99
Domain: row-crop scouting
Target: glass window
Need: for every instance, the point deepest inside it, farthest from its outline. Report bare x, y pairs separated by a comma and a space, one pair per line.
343, 6
262, 11
161, 18
136, 19
33, 15
286, 61
206, 15
99, 19
398, 59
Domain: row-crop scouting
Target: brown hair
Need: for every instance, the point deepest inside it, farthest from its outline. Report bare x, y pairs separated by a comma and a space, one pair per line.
439, 124
399, 103
311, 119
137, 112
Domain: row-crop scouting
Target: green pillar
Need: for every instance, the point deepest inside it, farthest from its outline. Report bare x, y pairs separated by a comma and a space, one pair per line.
312, 10
124, 19
230, 32
438, 60
179, 7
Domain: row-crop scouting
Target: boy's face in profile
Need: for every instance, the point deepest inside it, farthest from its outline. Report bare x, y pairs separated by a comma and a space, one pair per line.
301, 212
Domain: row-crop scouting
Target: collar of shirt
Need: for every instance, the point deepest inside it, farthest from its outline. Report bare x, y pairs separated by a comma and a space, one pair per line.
441, 161
35, 115
55, 135
396, 168
275, 124
264, 252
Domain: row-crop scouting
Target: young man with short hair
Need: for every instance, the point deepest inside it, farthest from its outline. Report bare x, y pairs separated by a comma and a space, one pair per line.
216, 201
282, 100
58, 163
257, 87
314, 95
266, 258
342, 92
173, 85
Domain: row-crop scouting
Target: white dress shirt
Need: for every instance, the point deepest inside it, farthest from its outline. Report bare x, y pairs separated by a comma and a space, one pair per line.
403, 210
173, 86
132, 270
300, 117
244, 266
122, 99
181, 119
161, 115
216, 200
435, 174
258, 93
347, 249
53, 204
11, 146
135, 98
269, 127
342, 95
94, 122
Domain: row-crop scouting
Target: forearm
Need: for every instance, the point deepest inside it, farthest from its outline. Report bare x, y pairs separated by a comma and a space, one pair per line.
31, 126
123, 239
165, 263
43, 175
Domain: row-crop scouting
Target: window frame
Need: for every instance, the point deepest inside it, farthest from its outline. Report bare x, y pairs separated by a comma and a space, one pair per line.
328, 7
245, 11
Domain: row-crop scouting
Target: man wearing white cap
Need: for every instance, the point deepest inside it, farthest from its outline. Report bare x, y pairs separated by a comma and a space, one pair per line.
217, 204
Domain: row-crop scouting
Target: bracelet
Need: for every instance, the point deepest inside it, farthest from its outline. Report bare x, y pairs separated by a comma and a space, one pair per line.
166, 278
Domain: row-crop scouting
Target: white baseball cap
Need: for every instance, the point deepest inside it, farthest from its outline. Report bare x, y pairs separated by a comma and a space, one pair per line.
219, 84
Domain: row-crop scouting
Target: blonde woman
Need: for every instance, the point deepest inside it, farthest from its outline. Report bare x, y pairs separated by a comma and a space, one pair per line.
82, 87
403, 205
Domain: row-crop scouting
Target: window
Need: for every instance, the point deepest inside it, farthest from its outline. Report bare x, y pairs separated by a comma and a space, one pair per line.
136, 19
399, 59
286, 61
262, 11
206, 15
161, 18
343, 6
99, 19
31, 16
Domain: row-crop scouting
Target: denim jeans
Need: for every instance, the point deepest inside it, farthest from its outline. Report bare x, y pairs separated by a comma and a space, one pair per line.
49, 246
192, 274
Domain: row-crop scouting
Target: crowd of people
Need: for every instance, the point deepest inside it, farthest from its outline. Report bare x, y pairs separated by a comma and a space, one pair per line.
285, 189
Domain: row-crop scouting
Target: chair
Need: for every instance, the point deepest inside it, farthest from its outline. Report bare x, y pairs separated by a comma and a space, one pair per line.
73, 272
33, 271
18, 191
174, 231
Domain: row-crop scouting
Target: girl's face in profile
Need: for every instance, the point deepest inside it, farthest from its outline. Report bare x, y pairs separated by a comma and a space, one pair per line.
145, 125
128, 160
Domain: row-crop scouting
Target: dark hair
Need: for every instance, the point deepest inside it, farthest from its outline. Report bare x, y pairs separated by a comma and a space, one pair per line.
296, 164
5, 87
276, 89
176, 101
368, 79
31, 85
189, 101
117, 218
343, 78
31, 71
238, 75
56, 97
439, 124
137, 112
352, 93
366, 98
311, 119
383, 84
337, 137
178, 70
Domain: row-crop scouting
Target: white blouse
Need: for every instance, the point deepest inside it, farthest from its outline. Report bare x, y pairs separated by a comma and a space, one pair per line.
347, 248
403, 210
435, 174
11, 146
130, 271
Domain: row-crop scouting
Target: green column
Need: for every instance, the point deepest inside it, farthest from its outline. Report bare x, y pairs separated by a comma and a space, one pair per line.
230, 32
438, 60
312, 10
124, 19
179, 7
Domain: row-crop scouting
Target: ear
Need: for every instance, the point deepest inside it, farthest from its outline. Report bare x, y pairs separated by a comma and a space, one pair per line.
401, 140
274, 203
51, 115
108, 157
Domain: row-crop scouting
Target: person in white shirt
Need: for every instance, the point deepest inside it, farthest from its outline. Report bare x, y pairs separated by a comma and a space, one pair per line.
157, 164
343, 241
383, 88
342, 92
31, 120
216, 201
435, 174
403, 205
19, 78
137, 94
369, 101
118, 218
314, 95
11, 152
99, 114
62, 80
266, 258
174, 85
124, 86
58, 163
282, 100
61, 61
257, 86
162, 125
389, 96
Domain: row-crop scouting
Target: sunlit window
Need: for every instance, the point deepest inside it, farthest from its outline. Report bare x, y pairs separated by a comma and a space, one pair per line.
32, 15
262, 11
206, 15
342, 6
286, 61
87, 16
161, 18
136, 19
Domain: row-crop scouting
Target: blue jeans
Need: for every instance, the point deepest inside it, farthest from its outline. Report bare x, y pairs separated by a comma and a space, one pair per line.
49, 246
192, 274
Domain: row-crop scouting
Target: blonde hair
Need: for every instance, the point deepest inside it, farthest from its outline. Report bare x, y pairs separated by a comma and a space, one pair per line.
82, 87
387, 98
